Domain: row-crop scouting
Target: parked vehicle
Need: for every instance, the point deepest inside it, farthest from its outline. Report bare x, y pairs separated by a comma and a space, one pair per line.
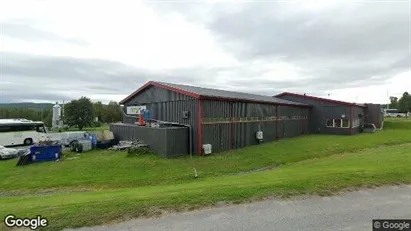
70, 138
8, 153
395, 113
15, 132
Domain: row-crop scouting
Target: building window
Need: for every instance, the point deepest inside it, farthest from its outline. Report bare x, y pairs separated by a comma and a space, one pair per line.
345, 123
338, 123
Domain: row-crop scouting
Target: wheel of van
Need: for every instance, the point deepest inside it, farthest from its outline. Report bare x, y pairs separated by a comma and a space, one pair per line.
398, 116
73, 145
79, 148
28, 141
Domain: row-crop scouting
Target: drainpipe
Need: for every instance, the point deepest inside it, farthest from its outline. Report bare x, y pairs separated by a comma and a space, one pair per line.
190, 138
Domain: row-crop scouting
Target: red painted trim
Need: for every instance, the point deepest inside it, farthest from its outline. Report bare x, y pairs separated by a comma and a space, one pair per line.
200, 128
146, 85
198, 96
232, 126
319, 99
160, 85
276, 123
351, 119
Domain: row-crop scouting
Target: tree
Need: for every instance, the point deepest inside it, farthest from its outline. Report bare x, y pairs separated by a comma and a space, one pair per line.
113, 113
404, 104
99, 110
393, 102
79, 113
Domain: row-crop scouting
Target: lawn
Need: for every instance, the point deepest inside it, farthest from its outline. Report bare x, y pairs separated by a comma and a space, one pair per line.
102, 186
366, 168
90, 129
108, 169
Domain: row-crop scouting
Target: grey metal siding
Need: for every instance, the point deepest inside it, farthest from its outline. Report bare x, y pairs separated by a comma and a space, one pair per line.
218, 135
373, 114
225, 135
166, 142
321, 111
169, 106
156, 94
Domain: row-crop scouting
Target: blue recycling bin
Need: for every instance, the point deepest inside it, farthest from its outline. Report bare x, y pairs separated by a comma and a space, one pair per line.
93, 138
40, 153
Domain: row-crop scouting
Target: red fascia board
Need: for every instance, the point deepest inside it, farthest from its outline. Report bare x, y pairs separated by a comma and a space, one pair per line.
250, 101
319, 99
198, 96
151, 83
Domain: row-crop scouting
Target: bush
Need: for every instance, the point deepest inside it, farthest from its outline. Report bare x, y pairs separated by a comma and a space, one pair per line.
97, 124
139, 151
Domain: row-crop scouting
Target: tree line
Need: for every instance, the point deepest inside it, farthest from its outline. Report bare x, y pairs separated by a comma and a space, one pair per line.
83, 113
77, 113
403, 103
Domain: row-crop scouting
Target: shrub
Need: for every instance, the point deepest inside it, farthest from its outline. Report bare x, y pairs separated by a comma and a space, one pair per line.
138, 151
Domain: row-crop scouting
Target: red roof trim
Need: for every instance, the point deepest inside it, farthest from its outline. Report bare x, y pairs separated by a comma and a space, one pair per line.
151, 83
320, 99
197, 96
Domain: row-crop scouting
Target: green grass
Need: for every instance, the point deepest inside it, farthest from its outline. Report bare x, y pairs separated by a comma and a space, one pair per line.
321, 176
108, 169
397, 123
103, 186
90, 129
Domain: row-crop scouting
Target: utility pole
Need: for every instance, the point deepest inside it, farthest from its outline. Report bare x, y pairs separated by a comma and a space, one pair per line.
388, 98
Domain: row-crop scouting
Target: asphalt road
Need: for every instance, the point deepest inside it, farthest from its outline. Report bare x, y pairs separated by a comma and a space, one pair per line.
348, 211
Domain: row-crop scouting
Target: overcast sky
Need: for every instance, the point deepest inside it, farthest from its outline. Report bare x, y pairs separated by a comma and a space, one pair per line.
54, 50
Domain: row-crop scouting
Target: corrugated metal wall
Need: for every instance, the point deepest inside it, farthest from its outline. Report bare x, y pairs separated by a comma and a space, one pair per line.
290, 127
224, 135
374, 114
322, 111
156, 94
169, 106
166, 142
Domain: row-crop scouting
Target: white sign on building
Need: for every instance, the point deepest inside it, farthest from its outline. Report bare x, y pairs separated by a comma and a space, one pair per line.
135, 110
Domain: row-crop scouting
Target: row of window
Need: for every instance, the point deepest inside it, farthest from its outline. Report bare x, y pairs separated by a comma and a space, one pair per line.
338, 123
341, 123
18, 128
250, 119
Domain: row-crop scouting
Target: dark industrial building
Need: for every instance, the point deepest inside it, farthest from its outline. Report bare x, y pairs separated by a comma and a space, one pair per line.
337, 117
217, 120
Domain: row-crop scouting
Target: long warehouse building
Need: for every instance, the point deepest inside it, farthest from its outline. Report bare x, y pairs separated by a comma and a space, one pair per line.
221, 119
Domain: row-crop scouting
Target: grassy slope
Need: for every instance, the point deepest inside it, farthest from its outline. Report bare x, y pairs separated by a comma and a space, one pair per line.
366, 168
140, 186
107, 169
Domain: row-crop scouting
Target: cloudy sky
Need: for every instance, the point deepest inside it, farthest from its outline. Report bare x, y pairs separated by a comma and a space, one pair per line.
59, 50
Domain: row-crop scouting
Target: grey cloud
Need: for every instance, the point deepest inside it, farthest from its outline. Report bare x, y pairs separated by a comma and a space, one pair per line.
23, 30
352, 30
349, 45
352, 45
33, 77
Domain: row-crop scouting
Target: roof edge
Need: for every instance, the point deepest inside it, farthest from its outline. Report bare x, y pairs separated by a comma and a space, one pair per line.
156, 84
320, 99
294, 104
